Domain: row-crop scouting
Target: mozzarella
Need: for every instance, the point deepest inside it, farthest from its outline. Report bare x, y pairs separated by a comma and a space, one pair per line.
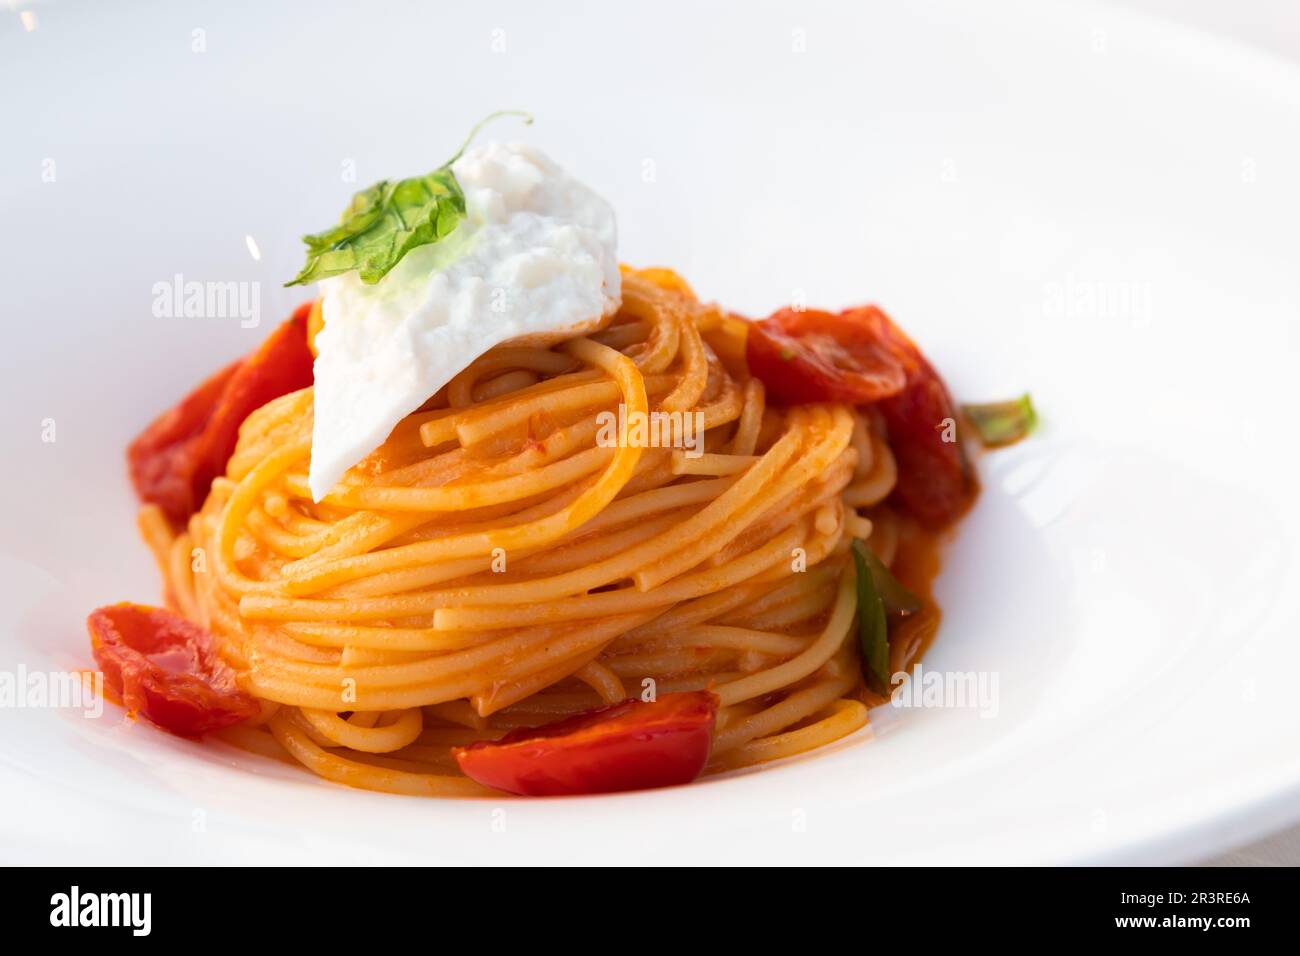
534, 257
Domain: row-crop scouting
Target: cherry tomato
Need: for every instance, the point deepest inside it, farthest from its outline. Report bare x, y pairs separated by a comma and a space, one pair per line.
860, 356
173, 462
935, 481
166, 668
812, 356
635, 745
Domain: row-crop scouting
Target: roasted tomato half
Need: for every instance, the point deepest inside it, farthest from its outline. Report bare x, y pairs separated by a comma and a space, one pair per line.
860, 357
634, 745
173, 462
811, 356
166, 668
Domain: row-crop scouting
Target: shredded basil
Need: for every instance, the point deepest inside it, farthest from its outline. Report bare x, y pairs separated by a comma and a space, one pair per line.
881, 598
1003, 423
387, 220
873, 630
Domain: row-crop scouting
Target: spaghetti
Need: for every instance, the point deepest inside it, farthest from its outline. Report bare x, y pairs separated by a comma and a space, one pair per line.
495, 564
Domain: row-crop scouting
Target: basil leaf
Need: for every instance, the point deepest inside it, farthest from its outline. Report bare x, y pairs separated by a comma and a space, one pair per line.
382, 225
1003, 423
873, 631
387, 220
896, 598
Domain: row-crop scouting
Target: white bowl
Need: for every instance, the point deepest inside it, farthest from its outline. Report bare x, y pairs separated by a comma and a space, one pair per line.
1063, 198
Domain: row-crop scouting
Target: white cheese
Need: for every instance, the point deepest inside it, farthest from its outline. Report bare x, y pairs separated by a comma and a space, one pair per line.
535, 254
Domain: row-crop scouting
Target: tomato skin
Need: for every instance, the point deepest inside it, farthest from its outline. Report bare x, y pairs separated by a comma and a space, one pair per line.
167, 668
633, 745
877, 364
812, 356
936, 483
173, 461
164, 458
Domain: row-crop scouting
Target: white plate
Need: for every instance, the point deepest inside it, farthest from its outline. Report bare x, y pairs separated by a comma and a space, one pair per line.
1061, 198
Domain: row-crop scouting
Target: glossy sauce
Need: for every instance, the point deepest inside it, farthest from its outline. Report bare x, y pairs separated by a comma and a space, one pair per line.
917, 562
916, 565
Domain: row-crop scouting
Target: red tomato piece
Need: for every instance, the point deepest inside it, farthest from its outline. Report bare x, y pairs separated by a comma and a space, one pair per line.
812, 356
163, 458
936, 483
166, 668
859, 356
634, 745
173, 462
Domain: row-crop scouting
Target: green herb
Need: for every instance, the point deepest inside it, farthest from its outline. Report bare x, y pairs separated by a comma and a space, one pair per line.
897, 599
1003, 423
873, 630
389, 219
